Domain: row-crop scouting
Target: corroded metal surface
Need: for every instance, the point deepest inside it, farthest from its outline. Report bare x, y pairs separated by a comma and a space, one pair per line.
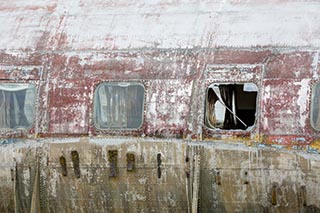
173, 162
231, 177
175, 83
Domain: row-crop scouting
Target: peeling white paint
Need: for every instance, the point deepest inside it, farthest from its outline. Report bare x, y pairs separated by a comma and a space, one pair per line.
162, 24
303, 97
315, 65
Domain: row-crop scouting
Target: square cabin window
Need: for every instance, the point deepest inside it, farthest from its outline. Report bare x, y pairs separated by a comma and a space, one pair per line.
119, 105
16, 105
315, 107
231, 106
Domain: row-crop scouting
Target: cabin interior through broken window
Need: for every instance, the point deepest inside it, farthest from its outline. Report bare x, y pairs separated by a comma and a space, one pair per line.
16, 105
119, 105
315, 107
231, 106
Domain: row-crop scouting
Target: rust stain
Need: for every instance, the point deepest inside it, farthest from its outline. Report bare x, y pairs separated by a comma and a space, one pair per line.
315, 144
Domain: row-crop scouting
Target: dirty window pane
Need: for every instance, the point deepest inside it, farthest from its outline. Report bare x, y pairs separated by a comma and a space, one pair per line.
16, 105
315, 107
231, 106
119, 105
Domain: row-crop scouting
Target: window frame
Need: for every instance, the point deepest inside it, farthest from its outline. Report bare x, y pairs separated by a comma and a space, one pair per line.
313, 92
34, 116
95, 123
249, 128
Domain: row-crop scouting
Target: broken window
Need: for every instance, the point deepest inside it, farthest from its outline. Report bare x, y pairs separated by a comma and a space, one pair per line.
119, 105
231, 106
315, 107
16, 105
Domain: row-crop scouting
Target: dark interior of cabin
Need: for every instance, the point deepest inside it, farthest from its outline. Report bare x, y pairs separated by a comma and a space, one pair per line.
239, 103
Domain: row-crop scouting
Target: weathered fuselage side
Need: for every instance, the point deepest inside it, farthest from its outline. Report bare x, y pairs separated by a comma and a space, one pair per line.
173, 162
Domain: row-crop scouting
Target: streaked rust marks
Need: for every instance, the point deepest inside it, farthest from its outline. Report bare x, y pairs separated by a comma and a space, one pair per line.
76, 163
274, 200
159, 161
302, 196
63, 164
218, 178
113, 162
187, 167
130, 162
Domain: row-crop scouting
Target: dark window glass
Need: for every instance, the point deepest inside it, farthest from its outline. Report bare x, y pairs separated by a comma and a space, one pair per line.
16, 105
119, 105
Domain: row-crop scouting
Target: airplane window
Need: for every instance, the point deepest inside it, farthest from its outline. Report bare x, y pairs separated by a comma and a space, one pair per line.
231, 106
16, 105
315, 107
119, 105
